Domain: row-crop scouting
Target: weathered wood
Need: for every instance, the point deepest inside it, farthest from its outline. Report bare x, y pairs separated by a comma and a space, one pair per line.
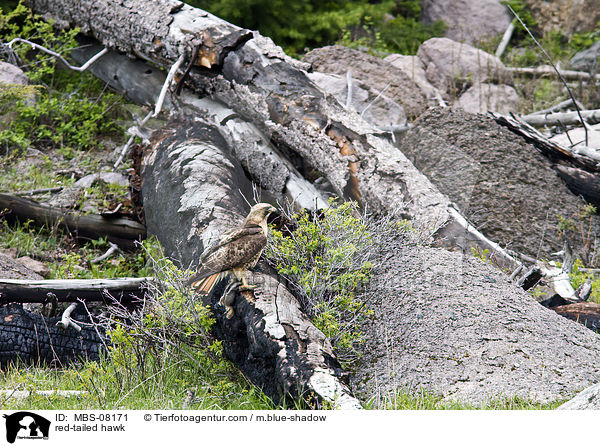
586, 313
190, 182
581, 183
557, 107
265, 87
121, 231
579, 156
547, 70
505, 39
530, 278
72, 290
30, 338
261, 160
566, 118
431, 330
264, 158
588, 399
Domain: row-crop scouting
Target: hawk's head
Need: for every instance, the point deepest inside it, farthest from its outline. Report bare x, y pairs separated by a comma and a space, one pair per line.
259, 213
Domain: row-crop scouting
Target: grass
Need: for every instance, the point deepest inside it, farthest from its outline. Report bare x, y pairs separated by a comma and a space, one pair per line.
67, 259
422, 400
167, 390
105, 388
24, 174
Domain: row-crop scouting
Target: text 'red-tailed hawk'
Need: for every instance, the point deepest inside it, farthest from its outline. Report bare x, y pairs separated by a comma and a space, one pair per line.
235, 252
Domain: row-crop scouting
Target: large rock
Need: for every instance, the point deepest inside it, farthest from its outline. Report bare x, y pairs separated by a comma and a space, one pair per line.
413, 67
588, 59
371, 71
452, 67
588, 399
469, 21
12, 269
12, 75
501, 183
459, 328
376, 109
483, 97
577, 136
565, 16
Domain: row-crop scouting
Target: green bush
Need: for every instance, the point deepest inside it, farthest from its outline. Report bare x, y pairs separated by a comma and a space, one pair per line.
296, 26
70, 110
328, 261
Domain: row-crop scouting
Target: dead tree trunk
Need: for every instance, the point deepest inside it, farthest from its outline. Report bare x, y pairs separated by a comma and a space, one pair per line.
461, 331
581, 183
122, 231
192, 192
255, 79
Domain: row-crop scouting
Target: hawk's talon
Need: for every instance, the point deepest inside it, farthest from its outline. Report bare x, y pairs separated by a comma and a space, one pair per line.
228, 299
246, 287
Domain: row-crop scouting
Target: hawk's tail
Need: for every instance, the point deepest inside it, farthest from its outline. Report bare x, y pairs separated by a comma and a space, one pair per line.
206, 284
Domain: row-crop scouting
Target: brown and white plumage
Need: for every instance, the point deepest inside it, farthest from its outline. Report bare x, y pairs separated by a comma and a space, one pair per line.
236, 251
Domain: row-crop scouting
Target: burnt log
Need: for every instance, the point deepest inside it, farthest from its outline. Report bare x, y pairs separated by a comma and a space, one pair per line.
586, 313
445, 322
254, 78
191, 183
581, 156
32, 338
581, 183
121, 231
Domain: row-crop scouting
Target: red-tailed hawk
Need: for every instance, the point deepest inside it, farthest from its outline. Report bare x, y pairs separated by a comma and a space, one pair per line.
235, 252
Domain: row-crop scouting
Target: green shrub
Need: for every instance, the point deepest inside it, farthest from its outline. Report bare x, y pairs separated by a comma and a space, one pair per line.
578, 277
328, 261
301, 25
70, 110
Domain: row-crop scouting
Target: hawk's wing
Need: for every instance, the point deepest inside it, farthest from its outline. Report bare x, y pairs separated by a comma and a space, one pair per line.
236, 248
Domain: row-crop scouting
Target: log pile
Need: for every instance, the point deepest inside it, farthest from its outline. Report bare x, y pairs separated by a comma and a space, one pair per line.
249, 115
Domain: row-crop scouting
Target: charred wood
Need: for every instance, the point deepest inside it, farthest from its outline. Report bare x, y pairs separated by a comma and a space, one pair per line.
31, 338
581, 183
191, 182
586, 313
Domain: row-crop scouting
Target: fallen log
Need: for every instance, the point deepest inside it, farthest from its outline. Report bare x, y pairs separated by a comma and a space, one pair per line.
190, 182
432, 329
579, 156
126, 290
121, 231
586, 313
581, 183
547, 70
566, 118
557, 107
31, 338
253, 77
269, 169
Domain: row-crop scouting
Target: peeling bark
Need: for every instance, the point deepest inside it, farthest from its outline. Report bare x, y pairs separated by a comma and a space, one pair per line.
191, 183
268, 97
265, 87
191, 189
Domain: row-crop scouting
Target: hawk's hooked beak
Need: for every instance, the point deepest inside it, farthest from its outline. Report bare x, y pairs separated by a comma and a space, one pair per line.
272, 209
